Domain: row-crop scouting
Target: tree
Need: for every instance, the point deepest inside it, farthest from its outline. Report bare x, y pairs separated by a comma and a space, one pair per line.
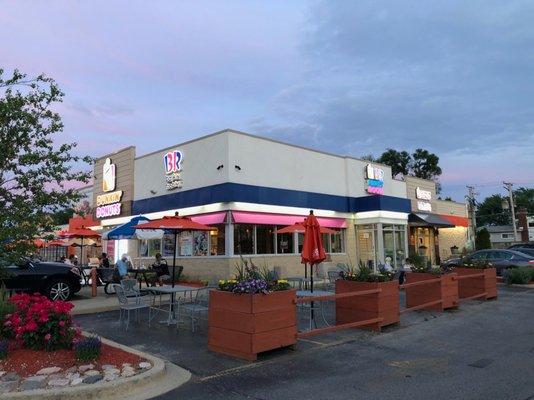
399, 161
524, 197
425, 165
368, 157
34, 169
482, 240
490, 212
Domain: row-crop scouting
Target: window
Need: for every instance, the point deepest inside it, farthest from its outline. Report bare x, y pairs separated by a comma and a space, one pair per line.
149, 248
217, 241
265, 239
326, 242
284, 242
168, 245
507, 235
337, 244
243, 239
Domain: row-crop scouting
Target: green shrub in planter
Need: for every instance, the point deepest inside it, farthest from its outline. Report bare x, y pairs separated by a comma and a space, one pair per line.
520, 276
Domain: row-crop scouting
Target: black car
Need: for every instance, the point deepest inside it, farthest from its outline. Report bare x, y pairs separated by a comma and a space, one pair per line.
57, 281
500, 259
529, 245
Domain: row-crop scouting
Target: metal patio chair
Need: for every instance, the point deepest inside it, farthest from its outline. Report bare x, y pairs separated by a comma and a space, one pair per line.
128, 304
197, 308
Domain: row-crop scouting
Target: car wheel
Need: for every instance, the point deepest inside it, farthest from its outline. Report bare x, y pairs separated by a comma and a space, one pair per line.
59, 290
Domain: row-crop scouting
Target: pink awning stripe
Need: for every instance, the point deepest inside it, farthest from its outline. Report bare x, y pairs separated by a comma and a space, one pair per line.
210, 219
245, 217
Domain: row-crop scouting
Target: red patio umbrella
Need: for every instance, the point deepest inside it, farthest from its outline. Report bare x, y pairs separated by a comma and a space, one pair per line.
300, 228
79, 233
312, 248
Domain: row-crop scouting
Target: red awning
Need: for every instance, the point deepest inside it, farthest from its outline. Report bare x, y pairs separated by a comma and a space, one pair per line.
456, 221
245, 217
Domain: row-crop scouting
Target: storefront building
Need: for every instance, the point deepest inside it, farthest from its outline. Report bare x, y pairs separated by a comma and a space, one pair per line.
437, 228
246, 187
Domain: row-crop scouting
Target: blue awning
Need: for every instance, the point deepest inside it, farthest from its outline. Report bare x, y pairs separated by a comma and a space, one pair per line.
125, 231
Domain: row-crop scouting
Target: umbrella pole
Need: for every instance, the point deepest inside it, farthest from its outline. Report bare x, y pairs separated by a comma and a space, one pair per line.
306, 276
173, 269
312, 318
81, 254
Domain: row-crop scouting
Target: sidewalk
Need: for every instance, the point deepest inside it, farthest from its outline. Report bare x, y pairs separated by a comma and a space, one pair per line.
85, 304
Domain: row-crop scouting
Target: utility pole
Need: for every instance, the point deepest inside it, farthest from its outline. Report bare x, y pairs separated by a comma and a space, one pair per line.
509, 186
471, 212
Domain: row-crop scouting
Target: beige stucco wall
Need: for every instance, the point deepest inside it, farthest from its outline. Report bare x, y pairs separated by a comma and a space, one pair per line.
449, 237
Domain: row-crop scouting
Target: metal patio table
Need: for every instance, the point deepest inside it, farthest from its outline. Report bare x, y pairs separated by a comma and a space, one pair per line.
315, 293
170, 290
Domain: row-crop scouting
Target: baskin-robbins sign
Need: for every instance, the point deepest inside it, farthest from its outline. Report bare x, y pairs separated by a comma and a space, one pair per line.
424, 197
375, 179
109, 204
172, 162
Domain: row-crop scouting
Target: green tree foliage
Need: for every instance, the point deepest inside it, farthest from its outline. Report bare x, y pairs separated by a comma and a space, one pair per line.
34, 168
482, 240
399, 161
425, 165
490, 212
524, 197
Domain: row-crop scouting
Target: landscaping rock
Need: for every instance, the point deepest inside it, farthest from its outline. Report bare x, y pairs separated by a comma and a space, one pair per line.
87, 367
32, 384
145, 365
2, 373
76, 381
108, 366
92, 372
92, 378
110, 377
113, 371
8, 386
37, 378
72, 375
48, 371
10, 377
72, 370
127, 373
58, 382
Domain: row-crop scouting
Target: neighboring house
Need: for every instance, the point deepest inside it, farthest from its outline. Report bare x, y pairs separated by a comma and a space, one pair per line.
502, 236
530, 221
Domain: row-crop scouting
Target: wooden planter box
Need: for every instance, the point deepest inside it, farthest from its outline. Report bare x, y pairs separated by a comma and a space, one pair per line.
243, 325
445, 290
383, 305
476, 286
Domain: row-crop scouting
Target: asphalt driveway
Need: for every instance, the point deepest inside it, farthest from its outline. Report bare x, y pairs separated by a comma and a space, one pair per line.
484, 350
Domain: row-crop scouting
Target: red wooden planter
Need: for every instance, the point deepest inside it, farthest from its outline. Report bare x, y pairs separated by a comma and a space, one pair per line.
383, 305
475, 287
243, 325
445, 290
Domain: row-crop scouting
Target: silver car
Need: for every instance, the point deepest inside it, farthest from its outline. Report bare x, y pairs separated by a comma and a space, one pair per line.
501, 259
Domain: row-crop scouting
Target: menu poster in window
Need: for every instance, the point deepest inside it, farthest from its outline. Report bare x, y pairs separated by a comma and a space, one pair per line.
143, 248
186, 244
201, 243
168, 245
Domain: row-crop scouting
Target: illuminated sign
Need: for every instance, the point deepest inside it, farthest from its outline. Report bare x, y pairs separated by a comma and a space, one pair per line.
108, 176
375, 179
172, 162
109, 198
423, 194
109, 210
424, 206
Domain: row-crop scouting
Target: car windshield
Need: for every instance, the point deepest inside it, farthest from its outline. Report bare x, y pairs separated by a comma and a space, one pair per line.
529, 253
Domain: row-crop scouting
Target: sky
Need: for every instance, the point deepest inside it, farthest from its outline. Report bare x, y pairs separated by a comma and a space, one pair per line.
348, 77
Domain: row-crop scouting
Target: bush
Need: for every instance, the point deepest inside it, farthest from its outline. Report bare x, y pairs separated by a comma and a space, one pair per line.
366, 274
520, 276
4, 347
39, 323
88, 348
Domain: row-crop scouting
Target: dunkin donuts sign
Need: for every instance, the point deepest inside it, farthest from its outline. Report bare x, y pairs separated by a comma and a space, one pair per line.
172, 162
108, 204
375, 179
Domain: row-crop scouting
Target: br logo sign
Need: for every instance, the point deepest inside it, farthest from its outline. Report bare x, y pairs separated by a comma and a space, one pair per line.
172, 162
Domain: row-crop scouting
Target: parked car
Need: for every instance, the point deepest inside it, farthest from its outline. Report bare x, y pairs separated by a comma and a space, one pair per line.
529, 245
500, 259
57, 281
528, 251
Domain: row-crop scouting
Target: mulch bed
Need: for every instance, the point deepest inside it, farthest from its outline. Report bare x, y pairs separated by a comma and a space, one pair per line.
27, 362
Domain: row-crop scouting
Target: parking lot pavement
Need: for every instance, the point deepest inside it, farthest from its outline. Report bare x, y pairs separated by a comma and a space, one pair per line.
484, 350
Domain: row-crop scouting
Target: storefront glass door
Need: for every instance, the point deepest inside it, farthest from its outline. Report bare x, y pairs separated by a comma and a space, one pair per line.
367, 245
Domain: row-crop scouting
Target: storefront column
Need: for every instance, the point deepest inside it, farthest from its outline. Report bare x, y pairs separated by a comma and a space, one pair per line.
380, 244
229, 235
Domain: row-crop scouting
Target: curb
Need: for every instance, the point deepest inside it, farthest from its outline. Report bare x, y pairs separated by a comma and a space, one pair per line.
152, 381
94, 310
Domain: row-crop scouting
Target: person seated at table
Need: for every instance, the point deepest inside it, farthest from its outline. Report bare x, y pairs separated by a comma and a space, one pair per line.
104, 261
161, 269
121, 268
